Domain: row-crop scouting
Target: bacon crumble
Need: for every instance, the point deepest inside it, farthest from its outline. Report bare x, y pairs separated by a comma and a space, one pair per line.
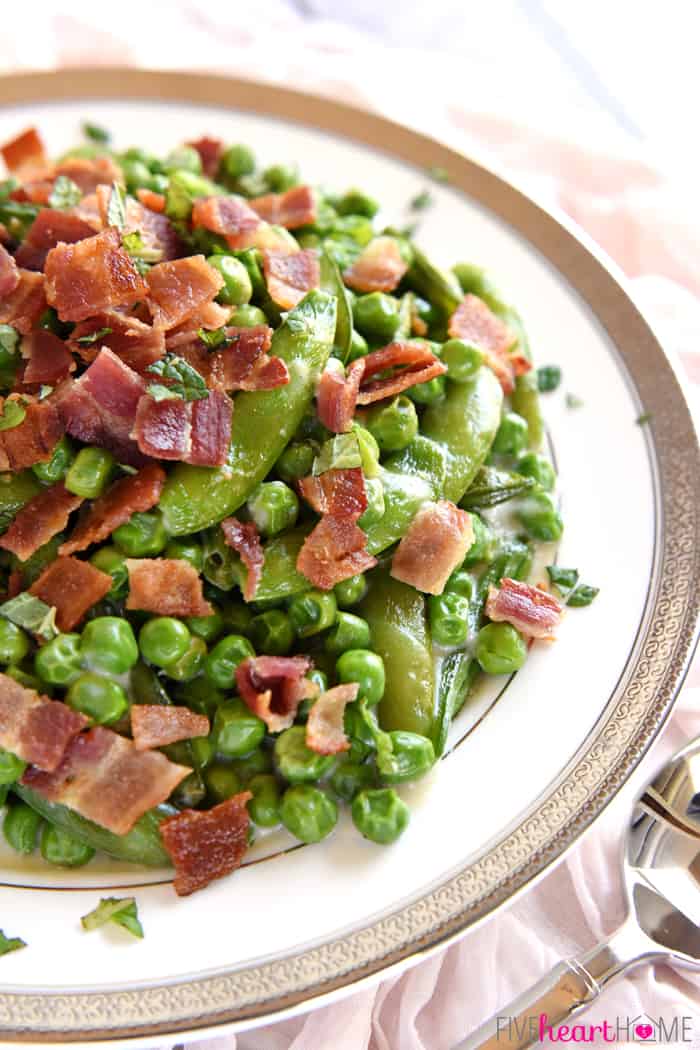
206, 844
176, 289
274, 686
90, 276
294, 208
155, 725
476, 323
325, 732
129, 495
49, 359
244, 538
379, 268
33, 727
167, 586
72, 587
39, 520
434, 545
51, 227
34, 439
531, 610
290, 275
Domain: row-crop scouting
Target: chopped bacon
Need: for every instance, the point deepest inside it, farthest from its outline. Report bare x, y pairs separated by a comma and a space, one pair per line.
151, 199
245, 540
245, 363
24, 152
34, 439
209, 316
90, 276
290, 276
230, 217
23, 307
40, 520
420, 363
177, 288
435, 544
88, 209
72, 587
210, 152
379, 268
89, 172
531, 610
325, 732
33, 190
291, 209
50, 227
474, 322
154, 725
9, 274
337, 397
135, 493
50, 360
105, 778
206, 844
196, 432
274, 686
335, 550
34, 728
137, 344
340, 491
167, 586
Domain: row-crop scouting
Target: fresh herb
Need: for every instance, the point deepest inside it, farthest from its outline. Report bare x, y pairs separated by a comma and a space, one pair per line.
9, 338
215, 339
163, 393
572, 592
572, 401
646, 417
13, 412
187, 383
44, 391
10, 944
31, 613
65, 193
116, 207
7, 186
95, 133
341, 452
17, 217
121, 910
583, 595
548, 378
93, 337
439, 174
137, 248
422, 201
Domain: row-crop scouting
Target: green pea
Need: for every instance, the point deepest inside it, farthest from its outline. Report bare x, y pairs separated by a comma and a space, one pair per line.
190, 792
237, 617
60, 848
428, 393
500, 649
21, 827
532, 465
274, 507
11, 767
367, 669
190, 663
348, 778
221, 663
296, 762
312, 612
426, 311
377, 316
380, 815
142, 536
237, 731
264, 806
112, 561
108, 645
482, 548
348, 632
411, 756
308, 813
281, 177
163, 640
248, 316
14, 643
236, 161
296, 461
351, 591
463, 360
376, 505
449, 618
184, 158
394, 424
221, 565
89, 473
258, 761
186, 550
136, 174
238, 288
101, 699
357, 202
200, 695
55, 469
201, 749
358, 347
538, 515
272, 633
512, 435
60, 661
159, 183
222, 781
206, 627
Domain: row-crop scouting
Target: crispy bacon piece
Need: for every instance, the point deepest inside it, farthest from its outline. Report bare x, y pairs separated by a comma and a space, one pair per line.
40, 520
242, 365
337, 397
154, 725
137, 344
90, 276
436, 542
89, 172
211, 430
105, 778
151, 199
274, 686
209, 316
290, 276
167, 586
325, 732
9, 274
474, 322
245, 540
34, 728
34, 440
206, 844
378, 269
420, 363
176, 289
210, 151
293, 208
88, 209
340, 492
23, 307
50, 360
531, 610
24, 152
49, 228
335, 550
230, 217
73, 587
135, 493
196, 432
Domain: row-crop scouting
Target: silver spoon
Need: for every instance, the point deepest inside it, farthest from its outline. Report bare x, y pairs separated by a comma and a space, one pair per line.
662, 882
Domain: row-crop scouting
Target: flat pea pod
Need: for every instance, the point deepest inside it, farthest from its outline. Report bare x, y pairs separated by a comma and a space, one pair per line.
332, 282
455, 674
280, 577
141, 845
525, 400
437, 286
396, 615
15, 491
263, 423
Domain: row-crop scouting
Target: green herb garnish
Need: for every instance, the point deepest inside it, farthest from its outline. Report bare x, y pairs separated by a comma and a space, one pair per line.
13, 412
65, 193
10, 944
116, 207
422, 201
646, 417
583, 595
187, 383
341, 452
137, 248
548, 378
439, 174
93, 337
31, 613
9, 338
572, 592
95, 133
121, 910
572, 401
44, 391
215, 339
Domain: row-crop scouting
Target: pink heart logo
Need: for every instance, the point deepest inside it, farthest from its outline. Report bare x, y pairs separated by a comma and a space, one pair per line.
644, 1031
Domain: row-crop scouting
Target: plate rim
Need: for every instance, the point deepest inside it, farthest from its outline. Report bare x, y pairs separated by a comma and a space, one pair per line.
656, 666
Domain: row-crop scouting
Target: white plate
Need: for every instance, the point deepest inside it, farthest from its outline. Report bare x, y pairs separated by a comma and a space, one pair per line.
565, 733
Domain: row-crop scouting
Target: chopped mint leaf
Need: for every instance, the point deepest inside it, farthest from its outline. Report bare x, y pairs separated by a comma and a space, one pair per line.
65, 193
121, 910
646, 417
31, 613
93, 337
13, 412
187, 382
548, 378
95, 133
572, 401
116, 207
10, 944
421, 201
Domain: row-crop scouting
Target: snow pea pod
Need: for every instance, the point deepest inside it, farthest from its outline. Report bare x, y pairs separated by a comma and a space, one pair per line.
263, 423
332, 282
455, 674
439, 287
396, 616
280, 577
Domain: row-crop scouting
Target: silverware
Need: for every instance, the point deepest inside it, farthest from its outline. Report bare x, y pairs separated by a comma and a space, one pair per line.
662, 882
